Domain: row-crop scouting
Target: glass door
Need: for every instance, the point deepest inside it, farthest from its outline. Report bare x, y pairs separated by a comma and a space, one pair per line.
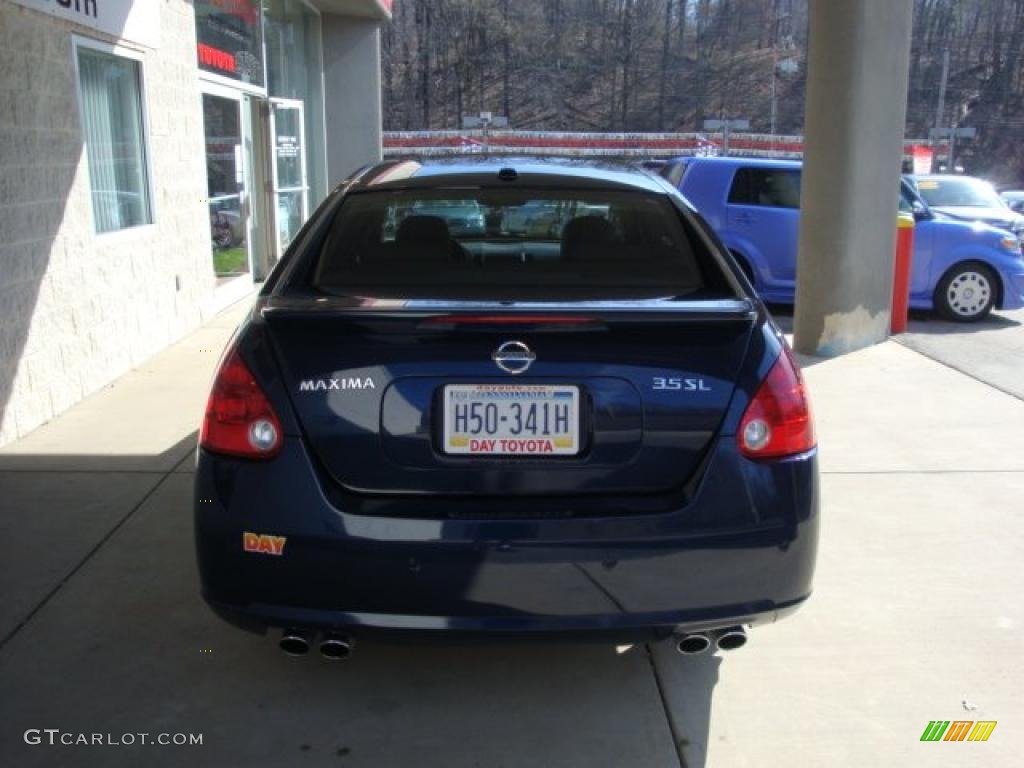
290, 184
225, 129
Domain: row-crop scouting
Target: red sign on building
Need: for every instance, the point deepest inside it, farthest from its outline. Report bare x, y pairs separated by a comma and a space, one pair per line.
216, 58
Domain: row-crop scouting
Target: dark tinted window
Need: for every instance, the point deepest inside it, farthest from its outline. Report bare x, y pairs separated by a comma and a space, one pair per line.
906, 199
674, 172
766, 186
517, 244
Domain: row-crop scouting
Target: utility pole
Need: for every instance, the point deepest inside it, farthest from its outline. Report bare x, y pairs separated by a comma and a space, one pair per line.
940, 111
485, 119
786, 66
953, 134
952, 148
775, 69
775, 77
940, 130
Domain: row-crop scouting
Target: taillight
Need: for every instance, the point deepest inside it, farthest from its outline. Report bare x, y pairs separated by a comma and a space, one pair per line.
778, 420
239, 419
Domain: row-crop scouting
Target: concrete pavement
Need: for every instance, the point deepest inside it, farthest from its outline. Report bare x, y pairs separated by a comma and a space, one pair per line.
917, 608
991, 350
917, 604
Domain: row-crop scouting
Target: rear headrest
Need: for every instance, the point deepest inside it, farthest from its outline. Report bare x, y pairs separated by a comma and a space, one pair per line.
586, 232
364, 232
428, 232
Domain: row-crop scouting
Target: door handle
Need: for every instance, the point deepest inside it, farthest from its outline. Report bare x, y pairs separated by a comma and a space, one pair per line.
744, 218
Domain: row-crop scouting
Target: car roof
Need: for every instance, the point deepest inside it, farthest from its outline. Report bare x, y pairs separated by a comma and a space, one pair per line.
463, 171
948, 177
752, 162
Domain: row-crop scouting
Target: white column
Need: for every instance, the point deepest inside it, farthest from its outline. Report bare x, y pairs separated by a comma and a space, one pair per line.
857, 76
352, 94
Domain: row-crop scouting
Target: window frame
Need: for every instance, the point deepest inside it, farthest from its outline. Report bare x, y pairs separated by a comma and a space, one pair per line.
757, 169
670, 171
118, 50
304, 279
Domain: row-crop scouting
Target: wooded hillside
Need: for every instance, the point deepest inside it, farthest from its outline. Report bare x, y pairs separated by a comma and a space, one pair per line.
666, 65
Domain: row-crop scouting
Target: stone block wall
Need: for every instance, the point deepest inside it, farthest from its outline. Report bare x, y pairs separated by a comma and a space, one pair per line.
78, 309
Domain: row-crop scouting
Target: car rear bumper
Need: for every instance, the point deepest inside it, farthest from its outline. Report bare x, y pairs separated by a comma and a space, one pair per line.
741, 550
258, 618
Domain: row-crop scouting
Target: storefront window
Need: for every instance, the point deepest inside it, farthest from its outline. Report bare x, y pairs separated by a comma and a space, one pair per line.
295, 73
111, 102
229, 39
226, 187
290, 180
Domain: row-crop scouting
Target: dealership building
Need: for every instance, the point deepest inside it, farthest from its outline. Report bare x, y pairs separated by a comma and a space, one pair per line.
156, 157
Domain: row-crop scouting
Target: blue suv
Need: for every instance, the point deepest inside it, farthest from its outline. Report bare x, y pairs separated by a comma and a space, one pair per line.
962, 270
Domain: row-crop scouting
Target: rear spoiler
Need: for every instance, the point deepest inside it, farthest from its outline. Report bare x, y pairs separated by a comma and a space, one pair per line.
480, 314
356, 305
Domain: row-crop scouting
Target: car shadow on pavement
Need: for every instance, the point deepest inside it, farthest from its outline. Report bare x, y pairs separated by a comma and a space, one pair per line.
107, 634
688, 684
920, 321
929, 323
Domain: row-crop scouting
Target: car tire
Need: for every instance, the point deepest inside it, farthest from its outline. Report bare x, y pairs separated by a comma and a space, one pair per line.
966, 293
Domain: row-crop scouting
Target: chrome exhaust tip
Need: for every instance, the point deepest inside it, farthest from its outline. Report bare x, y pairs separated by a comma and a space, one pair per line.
692, 644
336, 647
731, 639
294, 642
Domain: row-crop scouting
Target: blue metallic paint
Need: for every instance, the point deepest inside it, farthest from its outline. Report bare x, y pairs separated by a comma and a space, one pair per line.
940, 242
714, 540
740, 550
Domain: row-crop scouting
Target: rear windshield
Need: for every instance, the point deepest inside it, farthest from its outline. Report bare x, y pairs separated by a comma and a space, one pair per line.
504, 244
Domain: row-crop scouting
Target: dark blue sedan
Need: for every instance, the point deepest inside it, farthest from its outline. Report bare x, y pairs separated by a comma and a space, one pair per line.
594, 433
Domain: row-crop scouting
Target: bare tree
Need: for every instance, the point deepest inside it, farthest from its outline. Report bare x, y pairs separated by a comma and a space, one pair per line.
668, 64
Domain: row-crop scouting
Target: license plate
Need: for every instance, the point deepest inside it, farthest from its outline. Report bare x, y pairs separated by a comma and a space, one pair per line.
511, 419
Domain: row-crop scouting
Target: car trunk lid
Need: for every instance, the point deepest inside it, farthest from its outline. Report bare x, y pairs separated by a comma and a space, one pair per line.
368, 381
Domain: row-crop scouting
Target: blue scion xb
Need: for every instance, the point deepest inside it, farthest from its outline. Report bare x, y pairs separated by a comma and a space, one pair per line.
962, 270
592, 430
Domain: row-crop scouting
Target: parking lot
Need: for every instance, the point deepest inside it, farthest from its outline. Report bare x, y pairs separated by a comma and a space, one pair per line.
917, 613
992, 351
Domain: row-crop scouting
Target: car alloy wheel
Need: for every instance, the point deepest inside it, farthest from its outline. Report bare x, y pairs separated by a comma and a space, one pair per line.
968, 293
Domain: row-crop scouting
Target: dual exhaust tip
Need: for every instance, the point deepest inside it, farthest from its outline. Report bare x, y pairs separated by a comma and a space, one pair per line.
693, 643
334, 646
